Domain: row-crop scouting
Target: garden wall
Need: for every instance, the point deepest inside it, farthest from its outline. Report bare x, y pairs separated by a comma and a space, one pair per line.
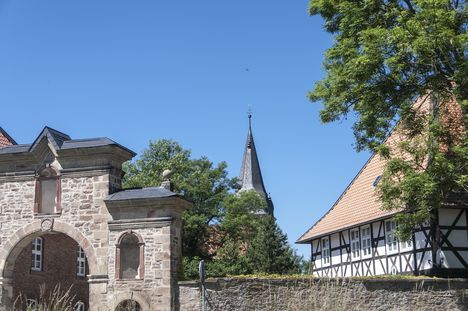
301, 294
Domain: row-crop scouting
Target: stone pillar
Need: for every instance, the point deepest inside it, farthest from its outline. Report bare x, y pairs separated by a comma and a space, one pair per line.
6, 293
98, 292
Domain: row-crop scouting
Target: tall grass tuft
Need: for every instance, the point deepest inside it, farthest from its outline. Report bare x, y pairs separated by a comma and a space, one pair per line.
55, 300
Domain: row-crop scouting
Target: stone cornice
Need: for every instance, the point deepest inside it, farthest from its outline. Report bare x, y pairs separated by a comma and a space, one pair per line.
140, 223
173, 202
98, 278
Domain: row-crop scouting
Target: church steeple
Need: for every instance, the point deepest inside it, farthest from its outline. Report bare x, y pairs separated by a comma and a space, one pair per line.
250, 175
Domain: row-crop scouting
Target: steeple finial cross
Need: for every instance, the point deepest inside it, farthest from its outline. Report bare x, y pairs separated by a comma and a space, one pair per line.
249, 114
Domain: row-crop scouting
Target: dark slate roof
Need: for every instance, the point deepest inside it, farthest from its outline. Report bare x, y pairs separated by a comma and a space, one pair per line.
15, 149
140, 193
92, 142
55, 137
251, 175
62, 141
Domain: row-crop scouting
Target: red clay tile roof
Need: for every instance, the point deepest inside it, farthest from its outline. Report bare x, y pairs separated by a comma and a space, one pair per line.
5, 139
358, 204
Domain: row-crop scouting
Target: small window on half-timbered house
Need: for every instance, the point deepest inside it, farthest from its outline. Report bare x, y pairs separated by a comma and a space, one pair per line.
355, 245
325, 251
390, 238
406, 245
366, 242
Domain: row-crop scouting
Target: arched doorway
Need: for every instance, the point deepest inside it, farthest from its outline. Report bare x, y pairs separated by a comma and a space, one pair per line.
128, 305
49, 265
23, 239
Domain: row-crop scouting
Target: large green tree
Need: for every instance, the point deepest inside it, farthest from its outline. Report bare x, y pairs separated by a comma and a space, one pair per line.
246, 241
386, 55
222, 224
199, 180
269, 252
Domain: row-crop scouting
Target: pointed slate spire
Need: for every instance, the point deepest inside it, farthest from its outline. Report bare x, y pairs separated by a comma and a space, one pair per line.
250, 175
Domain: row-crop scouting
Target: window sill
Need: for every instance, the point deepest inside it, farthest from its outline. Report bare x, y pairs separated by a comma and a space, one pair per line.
36, 272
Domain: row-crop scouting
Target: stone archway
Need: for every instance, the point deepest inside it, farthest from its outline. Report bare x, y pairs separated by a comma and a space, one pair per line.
122, 297
23, 238
25, 235
57, 268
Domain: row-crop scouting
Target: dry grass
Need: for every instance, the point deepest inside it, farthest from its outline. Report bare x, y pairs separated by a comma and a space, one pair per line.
55, 300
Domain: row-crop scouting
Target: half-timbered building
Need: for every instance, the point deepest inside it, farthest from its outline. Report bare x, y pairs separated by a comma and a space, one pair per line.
356, 237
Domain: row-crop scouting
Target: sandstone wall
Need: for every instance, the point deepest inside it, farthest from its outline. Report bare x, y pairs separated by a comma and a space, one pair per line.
324, 294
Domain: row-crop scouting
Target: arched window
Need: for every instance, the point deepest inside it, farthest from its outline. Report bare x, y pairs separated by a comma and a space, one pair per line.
128, 304
130, 257
48, 191
36, 259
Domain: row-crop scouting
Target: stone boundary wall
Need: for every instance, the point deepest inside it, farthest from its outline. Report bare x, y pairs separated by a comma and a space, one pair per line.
303, 294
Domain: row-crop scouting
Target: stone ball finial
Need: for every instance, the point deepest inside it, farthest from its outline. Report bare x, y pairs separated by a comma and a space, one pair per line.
167, 174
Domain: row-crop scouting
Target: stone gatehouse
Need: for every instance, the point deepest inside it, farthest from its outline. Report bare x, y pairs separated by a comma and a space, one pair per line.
64, 219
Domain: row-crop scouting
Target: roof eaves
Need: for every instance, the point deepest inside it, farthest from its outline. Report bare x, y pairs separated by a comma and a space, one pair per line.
24, 148
94, 142
357, 224
339, 198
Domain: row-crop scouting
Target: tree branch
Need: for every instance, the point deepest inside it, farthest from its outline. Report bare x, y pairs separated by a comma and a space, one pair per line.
410, 6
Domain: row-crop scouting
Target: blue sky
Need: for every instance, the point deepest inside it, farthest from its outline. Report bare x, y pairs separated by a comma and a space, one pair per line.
142, 70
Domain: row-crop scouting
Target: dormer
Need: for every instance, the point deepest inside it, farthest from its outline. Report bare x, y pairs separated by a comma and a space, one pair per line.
54, 155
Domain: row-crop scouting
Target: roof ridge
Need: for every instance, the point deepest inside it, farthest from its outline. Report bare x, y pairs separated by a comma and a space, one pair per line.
87, 139
57, 132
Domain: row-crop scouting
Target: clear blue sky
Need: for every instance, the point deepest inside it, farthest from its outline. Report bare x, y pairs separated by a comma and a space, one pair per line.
136, 71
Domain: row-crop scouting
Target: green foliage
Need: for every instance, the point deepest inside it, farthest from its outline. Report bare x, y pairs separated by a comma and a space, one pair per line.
221, 225
202, 183
269, 251
387, 54
422, 181
239, 221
